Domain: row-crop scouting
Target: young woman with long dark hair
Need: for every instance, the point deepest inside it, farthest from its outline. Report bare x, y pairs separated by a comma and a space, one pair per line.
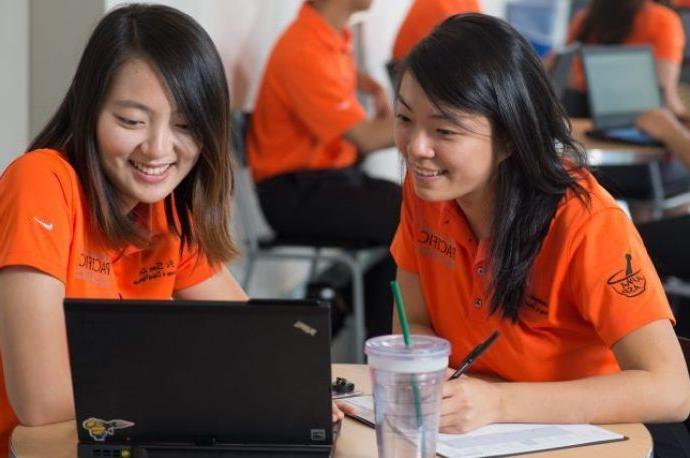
125, 193
504, 228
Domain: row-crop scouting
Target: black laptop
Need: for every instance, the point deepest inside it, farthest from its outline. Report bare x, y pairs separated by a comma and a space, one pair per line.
621, 84
216, 379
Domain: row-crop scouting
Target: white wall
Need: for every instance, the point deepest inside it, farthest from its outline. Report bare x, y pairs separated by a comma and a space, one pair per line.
14, 78
58, 33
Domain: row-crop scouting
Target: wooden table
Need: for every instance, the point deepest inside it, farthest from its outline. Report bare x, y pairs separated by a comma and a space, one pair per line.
356, 440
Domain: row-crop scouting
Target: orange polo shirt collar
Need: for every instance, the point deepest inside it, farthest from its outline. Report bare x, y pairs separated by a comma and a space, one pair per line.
340, 41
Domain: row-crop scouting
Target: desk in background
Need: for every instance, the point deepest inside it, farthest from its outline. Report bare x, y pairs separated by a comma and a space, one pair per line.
356, 440
604, 153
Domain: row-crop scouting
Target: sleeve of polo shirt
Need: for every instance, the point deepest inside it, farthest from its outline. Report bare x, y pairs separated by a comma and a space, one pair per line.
320, 95
36, 215
403, 245
193, 268
612, 279
668, 37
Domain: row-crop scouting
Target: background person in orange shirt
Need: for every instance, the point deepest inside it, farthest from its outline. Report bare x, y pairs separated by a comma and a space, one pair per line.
423, 16
503, 228
307, 134
631, 22
126, 193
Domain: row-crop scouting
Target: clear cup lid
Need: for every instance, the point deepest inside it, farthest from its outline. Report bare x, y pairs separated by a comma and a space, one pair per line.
393, 346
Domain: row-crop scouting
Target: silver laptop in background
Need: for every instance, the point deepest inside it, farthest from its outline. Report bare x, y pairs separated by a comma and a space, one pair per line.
622, 83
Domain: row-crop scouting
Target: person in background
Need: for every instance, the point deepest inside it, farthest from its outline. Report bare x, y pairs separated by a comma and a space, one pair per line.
504, 228
307, 135
422, 17
629, 22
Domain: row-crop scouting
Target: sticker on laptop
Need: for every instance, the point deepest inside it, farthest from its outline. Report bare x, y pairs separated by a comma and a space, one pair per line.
99, 429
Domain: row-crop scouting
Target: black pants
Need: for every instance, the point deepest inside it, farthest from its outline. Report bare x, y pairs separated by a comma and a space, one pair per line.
671, 440
341, 205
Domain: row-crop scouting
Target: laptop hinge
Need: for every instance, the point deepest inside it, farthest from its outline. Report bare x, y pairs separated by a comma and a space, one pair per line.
205, 441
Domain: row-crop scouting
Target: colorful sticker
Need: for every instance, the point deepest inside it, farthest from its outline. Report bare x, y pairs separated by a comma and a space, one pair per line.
99, 429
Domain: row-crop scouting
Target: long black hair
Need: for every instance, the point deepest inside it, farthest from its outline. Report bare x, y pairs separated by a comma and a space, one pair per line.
609, 22
179, 48
480, 65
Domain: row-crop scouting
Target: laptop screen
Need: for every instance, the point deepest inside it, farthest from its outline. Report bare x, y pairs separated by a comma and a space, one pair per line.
200, 372
621, 81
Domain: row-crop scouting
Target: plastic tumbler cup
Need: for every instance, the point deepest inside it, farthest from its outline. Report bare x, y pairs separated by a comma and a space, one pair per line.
407, 393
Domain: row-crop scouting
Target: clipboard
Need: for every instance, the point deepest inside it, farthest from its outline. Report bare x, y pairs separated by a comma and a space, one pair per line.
503, 439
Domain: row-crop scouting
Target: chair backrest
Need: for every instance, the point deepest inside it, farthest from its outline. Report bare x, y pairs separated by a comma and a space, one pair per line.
248, 215
685, 346
391, 72
560, 70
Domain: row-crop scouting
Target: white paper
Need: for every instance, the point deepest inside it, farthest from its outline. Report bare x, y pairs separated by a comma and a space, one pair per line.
505, 438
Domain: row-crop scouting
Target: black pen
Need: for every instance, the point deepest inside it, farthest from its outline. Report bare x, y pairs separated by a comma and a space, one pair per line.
474, 354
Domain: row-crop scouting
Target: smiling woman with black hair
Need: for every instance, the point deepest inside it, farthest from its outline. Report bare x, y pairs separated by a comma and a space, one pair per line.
125, 193
504, 228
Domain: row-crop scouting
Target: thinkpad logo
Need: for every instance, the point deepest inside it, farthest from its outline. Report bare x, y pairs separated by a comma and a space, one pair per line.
305, 328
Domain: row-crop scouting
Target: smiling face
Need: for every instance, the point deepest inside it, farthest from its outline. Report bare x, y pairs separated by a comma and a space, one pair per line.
145, 145
450, 155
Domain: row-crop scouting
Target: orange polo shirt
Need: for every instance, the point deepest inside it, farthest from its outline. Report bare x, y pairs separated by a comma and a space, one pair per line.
306, 102
681, 3
584, 294
655, 25
422, 17
44, 224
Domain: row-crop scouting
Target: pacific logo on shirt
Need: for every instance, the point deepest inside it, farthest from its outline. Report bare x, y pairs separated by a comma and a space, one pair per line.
93, 269
437, 247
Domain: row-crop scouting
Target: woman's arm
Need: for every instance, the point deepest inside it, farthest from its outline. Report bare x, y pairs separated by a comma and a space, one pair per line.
415, 307
34, 346
669, 73
653, 386
664, 126
220, 287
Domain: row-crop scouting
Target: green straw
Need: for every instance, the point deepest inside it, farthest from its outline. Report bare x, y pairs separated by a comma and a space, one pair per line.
400, 307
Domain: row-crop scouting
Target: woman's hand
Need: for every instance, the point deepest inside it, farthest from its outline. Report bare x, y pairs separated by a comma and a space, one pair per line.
340, 409
468, 403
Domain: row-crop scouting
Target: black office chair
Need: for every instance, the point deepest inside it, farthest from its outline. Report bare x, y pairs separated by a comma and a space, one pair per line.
357, 257
391, 71
559, 73
685, 346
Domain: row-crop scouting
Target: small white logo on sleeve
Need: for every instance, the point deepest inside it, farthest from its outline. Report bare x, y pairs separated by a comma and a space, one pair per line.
343, 105
305, 328
47, 226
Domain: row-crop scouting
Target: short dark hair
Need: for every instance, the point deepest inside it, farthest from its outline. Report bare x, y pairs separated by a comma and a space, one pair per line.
179, 48
480, 65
